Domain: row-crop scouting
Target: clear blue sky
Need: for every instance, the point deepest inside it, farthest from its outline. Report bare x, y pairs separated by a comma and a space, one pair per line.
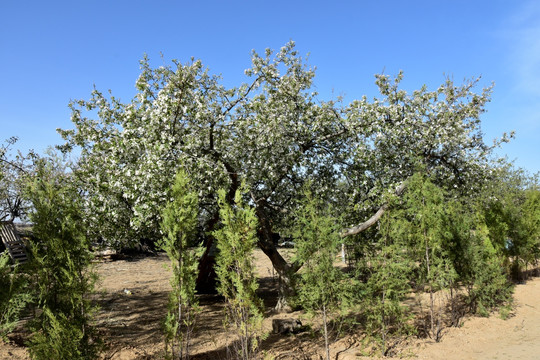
54, 51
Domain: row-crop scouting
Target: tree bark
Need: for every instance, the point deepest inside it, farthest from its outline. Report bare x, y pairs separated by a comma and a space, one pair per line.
206, 279
283, 268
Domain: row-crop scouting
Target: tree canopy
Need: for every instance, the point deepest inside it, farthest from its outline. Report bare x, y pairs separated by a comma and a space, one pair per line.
273, 132
13, 171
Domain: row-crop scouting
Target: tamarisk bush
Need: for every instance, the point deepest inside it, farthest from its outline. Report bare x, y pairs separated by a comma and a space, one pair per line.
179, 225
62, 273
321, 286
14, 295
390, 270
423, 222
236, 241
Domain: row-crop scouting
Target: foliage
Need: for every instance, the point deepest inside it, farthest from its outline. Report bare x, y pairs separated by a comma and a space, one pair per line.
390, 269
236, 274
60, 338
14, 295
276, 133
463, 218
423, 222
432, 238
13, 173
473, 254
510, 210
530, 226
180, 219
487, 281
320, 286
62, 272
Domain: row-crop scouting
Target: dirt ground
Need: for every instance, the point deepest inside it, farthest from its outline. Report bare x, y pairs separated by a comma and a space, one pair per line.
133, 300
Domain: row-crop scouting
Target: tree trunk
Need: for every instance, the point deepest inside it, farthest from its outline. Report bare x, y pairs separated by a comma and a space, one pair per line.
285, 273
285, 270
207, 277
325, 320
431, 300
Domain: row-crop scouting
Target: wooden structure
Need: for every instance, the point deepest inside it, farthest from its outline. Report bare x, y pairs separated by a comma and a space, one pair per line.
13, 243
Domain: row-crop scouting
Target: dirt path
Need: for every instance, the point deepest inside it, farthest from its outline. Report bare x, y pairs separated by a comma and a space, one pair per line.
493, 338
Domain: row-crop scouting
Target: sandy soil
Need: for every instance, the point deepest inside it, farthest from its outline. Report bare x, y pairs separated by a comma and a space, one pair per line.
493, 338
133, 301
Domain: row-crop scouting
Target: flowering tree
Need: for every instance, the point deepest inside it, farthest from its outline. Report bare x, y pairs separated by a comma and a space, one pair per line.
274, 133
437, 132
13, 177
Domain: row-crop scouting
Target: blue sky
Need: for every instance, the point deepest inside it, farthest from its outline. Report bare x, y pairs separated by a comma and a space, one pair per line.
54, 51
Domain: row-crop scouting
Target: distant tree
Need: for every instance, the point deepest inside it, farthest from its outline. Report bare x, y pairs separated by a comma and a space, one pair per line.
530, 226
13, 173
179, 225
509, 207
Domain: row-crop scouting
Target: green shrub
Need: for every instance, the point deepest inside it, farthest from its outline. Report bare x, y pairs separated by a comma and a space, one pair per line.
488, 283
235, 271
62, 273
179, 225
14, 295
321, 287
388, 284
59, 337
